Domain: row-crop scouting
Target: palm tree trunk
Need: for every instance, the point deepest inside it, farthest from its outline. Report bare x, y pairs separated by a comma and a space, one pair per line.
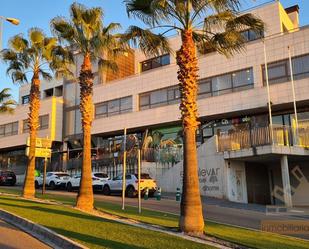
191, 216
85, 195
34, 109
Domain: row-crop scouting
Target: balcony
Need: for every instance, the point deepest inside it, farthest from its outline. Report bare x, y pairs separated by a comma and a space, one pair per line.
279, 135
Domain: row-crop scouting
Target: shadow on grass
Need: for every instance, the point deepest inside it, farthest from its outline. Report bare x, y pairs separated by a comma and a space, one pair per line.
94, 240
49, 211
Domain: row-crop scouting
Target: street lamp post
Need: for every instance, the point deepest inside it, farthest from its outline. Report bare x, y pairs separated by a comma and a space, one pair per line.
8, 19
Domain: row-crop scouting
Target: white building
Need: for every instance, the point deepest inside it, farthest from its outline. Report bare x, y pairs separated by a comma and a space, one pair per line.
240, 157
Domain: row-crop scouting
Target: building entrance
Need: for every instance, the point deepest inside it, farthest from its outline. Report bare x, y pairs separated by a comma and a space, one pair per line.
258, 188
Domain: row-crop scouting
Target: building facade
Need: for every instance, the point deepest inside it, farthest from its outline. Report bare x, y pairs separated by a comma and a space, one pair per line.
243, 157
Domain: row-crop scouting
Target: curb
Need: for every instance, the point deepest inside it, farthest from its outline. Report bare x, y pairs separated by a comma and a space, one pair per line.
39, 232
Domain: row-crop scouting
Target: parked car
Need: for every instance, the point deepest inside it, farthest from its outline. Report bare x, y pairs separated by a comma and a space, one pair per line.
115, 185
7, 178
98, 181
53, 180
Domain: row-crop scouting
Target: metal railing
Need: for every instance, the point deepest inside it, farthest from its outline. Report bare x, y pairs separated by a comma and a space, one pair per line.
279, 135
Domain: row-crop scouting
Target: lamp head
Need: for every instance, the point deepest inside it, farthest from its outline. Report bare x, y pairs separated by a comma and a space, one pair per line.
12, 20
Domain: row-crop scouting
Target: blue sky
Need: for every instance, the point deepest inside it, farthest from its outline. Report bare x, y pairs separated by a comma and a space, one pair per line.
38, 13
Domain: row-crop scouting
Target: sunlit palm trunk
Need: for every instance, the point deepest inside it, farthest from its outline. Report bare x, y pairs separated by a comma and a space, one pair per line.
34, 109
191, 217
85, 195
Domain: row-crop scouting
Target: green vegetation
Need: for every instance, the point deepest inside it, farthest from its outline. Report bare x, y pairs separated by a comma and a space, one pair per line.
92, 231
253, 239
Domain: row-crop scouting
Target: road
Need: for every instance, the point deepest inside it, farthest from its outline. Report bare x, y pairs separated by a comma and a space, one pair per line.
13, 238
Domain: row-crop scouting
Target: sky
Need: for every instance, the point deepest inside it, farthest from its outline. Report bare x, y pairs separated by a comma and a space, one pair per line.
38, 13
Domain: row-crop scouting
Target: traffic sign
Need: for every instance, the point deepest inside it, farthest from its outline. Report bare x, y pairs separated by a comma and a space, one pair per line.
41, 142
40, 152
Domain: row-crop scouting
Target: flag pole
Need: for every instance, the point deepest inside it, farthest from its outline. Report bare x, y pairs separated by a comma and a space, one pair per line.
293, 92
268, 95
124, 168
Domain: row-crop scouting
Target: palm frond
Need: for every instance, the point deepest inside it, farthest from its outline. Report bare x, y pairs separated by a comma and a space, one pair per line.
45, 75
105, 65
7, 104
4, 94
148, 42
36, 36
18, 43
63, 29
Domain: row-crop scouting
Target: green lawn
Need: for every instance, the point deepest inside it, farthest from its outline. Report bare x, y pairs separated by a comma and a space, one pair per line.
245, 237
92, 231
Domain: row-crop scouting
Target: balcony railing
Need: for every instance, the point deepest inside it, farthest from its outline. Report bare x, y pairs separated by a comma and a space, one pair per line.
280, 135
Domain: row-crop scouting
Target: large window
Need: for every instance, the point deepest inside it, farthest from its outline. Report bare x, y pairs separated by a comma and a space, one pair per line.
161, 97
217, 85
226, 83
9, 129
155, 62
43, 123
279, 71
113, 107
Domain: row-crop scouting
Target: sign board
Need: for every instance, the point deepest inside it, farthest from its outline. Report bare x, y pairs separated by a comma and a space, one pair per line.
40, 152
41, 142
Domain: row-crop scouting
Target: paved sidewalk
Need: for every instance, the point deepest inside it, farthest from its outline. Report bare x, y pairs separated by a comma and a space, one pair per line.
13, 238
223, 203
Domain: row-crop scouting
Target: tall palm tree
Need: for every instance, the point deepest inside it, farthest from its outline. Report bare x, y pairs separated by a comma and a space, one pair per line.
36, 58
203, 25
7, 104
86, 34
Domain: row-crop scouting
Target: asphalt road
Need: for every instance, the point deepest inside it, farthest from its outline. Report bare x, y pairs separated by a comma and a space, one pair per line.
13, 238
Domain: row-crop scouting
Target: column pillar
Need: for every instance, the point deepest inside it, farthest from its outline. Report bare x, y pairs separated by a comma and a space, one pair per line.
286, 181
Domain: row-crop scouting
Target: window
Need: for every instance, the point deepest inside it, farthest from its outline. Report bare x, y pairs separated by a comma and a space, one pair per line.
226, 83
158, 98
217, 85
155, 62
9, 129
58, 91
126, 104
48, 92
279, 71
173, 94
128, 177
204, 88
242, 79
161, 97
101, 175
113, 107
222, 84
101, 110
43, 123
25, 99
250, 35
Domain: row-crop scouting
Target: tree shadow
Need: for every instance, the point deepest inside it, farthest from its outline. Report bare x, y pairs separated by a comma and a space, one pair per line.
95, 240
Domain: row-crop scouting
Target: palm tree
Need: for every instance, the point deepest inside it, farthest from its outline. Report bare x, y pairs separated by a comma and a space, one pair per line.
36, 57
6, 102
86, 34
203, 25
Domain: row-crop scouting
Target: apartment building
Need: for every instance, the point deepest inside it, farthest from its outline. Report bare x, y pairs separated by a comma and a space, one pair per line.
243, 157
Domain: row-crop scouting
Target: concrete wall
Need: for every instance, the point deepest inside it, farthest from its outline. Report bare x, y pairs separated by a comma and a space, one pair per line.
236, 181
211, 172
299, 178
